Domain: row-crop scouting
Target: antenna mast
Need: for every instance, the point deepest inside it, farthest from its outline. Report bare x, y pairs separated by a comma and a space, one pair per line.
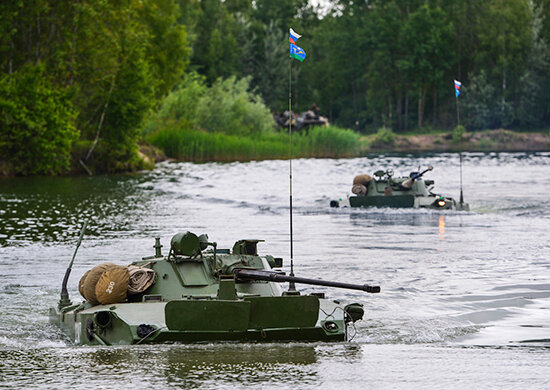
299, 54
292, 285
65, 301
457, 94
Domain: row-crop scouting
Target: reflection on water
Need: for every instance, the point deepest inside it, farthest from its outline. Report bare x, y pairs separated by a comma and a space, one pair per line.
191, 366
51, 209
441, 227
451, 281
276, 366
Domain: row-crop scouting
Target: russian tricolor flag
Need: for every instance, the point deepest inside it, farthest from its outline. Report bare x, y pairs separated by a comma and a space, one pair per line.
294, 36
457, 88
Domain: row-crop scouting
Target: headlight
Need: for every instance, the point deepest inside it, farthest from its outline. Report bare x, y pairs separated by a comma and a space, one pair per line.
441, 203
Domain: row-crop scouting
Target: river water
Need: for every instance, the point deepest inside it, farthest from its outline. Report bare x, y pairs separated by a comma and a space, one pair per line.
464, 301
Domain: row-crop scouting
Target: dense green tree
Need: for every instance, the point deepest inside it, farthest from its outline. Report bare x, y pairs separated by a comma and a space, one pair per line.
369, 63
37, 121
218, 32
429, 41
118, 58
116, 88
167, 50
388, 85
504, 47
480, 104
281, 12
334, 72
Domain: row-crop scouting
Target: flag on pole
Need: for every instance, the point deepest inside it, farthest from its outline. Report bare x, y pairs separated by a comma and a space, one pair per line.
297, 52
294, 36
457, 88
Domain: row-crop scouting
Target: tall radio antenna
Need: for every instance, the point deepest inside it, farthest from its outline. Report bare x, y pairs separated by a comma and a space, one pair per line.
292, 285
299, 54
458, 84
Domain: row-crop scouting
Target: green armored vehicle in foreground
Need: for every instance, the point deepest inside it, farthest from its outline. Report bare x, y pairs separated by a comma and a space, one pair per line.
201, 293
397, 192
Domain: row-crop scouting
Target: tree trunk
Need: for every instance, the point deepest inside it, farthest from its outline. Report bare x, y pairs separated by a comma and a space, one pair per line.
73, 52
103, 116
420, 108
12, 47
406, 119
398, 113
434, 117
390, 112
421, 105
37, 47
354, 97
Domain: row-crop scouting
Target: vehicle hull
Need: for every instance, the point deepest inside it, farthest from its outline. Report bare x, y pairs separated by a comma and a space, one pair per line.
403, 201
258, 319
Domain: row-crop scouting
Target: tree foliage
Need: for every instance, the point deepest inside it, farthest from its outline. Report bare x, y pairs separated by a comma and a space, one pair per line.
37, 124
227, 107
370, 64
119, 59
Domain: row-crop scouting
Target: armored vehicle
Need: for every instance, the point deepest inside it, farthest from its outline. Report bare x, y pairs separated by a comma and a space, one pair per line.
385, 190
201, 293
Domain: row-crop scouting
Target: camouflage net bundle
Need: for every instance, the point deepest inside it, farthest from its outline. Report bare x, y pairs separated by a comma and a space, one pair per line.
110, 283
88, 282
362, 179
141, 279
359, 189
112, 287
360, 184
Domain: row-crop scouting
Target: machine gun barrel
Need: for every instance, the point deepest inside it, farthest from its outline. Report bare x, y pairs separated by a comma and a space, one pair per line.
271, 276
419, 175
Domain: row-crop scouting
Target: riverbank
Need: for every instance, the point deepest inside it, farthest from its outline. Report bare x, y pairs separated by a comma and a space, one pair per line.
180, 146
321, 142
480, 141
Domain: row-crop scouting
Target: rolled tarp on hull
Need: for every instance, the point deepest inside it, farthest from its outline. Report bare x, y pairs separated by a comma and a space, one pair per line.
361, 184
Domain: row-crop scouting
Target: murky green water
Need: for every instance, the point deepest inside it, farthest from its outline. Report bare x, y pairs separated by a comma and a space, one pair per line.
464, 302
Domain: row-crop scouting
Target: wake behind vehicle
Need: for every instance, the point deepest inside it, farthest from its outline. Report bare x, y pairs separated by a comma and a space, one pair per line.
385, 190
201, 293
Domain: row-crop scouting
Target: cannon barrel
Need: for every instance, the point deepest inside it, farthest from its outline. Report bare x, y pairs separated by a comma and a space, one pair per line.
270, 276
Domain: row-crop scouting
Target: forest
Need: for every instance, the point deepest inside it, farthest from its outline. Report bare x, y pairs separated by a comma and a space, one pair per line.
84, 83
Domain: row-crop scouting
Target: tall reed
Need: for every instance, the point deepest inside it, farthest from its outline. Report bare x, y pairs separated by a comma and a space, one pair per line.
188, 144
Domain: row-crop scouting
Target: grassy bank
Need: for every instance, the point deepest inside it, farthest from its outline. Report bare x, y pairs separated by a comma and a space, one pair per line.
188, 144
499, 140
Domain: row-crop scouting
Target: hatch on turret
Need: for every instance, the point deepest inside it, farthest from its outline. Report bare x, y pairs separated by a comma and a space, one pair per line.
246, 247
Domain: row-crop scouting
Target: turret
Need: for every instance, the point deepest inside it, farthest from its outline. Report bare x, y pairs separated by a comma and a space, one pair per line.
415, 176
243, 263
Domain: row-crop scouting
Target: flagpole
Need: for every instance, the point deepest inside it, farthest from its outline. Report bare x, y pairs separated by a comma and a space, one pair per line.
292, 285
459, 147
299, 54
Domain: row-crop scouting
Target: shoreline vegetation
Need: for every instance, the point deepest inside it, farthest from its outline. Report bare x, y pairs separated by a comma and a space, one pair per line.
499, 140
330, 142
100, 87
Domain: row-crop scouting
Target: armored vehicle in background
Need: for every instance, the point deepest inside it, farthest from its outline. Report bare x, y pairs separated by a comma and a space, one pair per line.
201, 293
398, 192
